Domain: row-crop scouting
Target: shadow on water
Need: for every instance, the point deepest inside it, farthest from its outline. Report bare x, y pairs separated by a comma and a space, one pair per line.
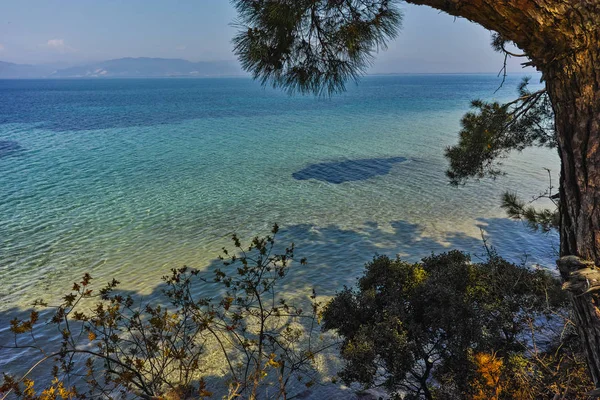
351, 170
336, 257
9, 148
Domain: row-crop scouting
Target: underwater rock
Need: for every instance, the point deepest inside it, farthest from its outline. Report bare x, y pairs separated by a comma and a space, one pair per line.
350, 170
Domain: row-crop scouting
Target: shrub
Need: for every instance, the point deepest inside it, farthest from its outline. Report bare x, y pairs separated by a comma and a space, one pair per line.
447, 328
111, 344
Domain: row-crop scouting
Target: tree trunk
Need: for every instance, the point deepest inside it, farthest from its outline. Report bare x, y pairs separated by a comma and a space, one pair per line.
574, 88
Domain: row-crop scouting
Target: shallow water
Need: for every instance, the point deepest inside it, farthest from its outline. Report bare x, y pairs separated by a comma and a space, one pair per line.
128, 178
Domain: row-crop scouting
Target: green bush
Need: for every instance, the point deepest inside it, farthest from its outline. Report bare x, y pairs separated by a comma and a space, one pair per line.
435, 329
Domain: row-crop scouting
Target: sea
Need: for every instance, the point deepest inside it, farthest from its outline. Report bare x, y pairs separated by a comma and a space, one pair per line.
128, 178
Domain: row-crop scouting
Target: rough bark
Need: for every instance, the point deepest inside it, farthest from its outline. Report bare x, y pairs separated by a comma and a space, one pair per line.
562, 39
574, 86
543, 28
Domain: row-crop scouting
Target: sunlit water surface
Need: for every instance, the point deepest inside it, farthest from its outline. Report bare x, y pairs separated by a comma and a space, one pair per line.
129, 178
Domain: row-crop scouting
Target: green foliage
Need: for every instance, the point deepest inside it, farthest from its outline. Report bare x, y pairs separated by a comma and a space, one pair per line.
493, 130
158, 350
312, 45
544, 220
420, 328
498, 42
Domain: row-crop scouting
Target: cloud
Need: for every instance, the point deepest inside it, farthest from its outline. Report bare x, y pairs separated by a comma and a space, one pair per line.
1, 47
56, 43
60, 46
181, 47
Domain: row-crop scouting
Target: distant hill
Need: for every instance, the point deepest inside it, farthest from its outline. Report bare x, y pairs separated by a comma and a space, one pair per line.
149, 67
24, 71
125, 68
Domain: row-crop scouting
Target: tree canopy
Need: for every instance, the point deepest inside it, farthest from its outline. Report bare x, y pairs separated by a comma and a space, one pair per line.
312, 46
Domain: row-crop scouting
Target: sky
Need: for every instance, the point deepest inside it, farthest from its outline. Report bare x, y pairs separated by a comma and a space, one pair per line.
76, 32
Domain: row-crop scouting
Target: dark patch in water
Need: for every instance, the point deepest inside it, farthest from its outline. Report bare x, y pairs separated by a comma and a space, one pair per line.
8, 148
346, 171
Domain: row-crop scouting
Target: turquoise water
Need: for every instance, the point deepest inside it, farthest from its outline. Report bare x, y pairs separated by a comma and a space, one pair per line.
128, 178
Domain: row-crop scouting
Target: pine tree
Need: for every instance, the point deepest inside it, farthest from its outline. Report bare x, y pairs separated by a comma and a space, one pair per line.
317, 45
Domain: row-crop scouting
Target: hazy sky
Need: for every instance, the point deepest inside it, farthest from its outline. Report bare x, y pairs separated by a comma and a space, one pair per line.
81, 31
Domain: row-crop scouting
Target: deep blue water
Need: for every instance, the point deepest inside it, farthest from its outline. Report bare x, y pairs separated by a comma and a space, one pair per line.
129, 178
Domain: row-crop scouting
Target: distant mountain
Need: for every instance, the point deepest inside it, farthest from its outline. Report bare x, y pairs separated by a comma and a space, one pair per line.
24, 71
149, 68
124, 68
